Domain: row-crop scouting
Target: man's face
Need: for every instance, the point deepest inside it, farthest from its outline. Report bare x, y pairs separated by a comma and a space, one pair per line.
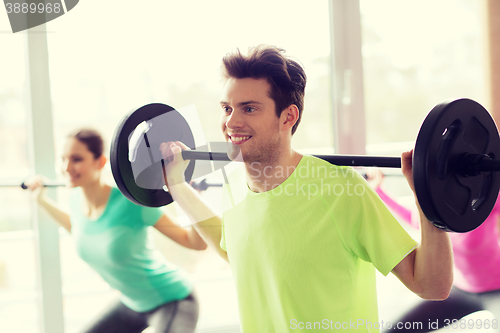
249, 119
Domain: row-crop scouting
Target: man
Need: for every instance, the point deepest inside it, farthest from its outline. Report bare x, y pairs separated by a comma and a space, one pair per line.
302, 236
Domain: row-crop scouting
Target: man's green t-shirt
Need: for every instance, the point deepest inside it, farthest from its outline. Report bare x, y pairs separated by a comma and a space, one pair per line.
303, 254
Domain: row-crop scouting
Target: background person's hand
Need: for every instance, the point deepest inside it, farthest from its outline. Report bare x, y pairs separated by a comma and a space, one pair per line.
35, 185
375, 177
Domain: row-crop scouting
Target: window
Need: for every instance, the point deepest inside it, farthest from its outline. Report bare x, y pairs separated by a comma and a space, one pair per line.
18, 291
415, 56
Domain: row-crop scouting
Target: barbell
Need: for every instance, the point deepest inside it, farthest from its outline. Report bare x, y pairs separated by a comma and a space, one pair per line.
454, 160
201, 185
21, 184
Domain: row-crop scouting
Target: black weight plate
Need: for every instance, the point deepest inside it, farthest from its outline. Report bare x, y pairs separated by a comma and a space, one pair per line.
449, 199
137, 165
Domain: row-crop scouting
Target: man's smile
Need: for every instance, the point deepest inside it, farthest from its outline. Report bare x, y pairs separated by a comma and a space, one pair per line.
239, 139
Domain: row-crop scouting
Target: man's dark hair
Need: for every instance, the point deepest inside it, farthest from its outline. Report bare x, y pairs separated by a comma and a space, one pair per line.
286, 77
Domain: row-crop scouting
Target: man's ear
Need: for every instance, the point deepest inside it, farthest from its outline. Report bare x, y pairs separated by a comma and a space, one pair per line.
289, 117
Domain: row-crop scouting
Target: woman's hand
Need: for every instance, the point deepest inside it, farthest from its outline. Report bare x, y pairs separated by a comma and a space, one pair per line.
374, 177
36, 185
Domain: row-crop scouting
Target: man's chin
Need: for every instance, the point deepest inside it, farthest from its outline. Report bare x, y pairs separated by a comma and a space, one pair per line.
236, 156
234, 152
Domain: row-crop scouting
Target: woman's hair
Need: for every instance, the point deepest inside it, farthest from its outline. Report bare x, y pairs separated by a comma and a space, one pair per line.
286, 76
91, 138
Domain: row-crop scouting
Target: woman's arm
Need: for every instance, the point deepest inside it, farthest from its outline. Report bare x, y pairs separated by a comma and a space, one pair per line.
498, 223
405, 213
186, 237
375, 178
50, 206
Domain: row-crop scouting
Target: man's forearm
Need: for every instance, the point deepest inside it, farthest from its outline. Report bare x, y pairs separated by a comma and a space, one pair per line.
205, 220
433, 268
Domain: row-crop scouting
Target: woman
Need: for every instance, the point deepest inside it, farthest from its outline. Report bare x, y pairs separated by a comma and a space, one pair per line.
477, 274
111, 236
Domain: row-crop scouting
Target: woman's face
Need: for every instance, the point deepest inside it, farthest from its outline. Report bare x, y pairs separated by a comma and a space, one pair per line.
79, 164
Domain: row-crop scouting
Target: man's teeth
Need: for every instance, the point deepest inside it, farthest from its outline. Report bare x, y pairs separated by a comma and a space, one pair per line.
240, 138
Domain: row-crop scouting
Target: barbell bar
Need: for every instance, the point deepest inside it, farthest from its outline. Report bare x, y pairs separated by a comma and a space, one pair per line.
454, 160
24, 187
201, 185
346, 160
46, 184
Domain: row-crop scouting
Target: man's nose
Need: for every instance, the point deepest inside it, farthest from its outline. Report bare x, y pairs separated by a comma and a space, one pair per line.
234, 120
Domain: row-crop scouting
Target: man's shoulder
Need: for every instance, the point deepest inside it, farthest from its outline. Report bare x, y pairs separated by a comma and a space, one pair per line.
314, 168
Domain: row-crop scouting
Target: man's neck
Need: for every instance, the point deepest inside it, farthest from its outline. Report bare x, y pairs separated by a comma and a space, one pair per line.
263, 177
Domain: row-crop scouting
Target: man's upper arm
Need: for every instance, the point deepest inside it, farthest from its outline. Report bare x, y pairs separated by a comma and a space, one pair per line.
404, 270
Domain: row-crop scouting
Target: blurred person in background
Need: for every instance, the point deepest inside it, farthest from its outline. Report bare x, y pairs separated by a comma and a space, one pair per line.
111, 235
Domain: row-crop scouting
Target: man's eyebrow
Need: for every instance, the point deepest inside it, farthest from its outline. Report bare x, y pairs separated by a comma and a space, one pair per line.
242, 103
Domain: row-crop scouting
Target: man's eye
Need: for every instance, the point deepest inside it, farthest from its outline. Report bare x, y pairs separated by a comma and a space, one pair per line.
226, 109
249, 109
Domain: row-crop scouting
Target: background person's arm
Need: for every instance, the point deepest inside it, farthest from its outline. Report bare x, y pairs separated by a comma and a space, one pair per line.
186, 237
35, 184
